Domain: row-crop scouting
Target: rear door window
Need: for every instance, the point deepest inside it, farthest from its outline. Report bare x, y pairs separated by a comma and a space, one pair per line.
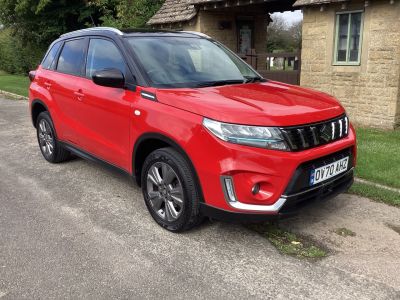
72, 57
103, 54
51, 55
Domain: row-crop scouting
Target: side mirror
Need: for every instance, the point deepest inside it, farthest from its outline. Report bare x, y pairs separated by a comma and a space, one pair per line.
109, 77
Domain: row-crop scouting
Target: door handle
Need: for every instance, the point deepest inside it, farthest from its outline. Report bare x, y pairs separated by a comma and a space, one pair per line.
48, 85
79, 95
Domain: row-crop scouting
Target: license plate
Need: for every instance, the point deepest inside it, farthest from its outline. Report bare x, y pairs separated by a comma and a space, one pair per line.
328, 171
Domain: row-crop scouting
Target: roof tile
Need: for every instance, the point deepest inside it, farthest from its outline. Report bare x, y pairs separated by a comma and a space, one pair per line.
316, 2
173, 11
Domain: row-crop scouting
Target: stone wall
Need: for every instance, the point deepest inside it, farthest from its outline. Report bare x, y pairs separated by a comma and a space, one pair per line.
370, 92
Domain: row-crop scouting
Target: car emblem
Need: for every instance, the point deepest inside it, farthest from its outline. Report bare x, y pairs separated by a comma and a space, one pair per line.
326, 133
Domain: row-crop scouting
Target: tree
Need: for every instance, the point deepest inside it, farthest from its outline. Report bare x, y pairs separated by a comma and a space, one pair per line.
41, 21
283, 37
295, 31
33, 24
130, 13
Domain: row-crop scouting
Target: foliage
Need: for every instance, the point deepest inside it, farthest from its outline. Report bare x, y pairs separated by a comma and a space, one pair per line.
41, 21
16, 56
128, 13
31, 25
282, 37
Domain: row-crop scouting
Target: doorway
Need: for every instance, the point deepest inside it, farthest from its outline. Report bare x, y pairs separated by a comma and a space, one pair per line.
245, 34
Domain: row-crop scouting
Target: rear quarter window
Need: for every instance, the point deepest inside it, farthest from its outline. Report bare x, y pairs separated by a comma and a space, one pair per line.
72, 57
51, 55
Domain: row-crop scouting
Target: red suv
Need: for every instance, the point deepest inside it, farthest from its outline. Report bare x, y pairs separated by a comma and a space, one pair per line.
201, 131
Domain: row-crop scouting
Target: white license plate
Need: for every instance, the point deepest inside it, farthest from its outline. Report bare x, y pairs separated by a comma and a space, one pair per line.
329, 171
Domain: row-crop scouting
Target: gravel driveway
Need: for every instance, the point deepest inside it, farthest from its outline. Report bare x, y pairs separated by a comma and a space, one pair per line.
77, 230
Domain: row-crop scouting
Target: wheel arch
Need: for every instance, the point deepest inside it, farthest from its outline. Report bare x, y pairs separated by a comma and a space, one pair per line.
37, 107
150, 142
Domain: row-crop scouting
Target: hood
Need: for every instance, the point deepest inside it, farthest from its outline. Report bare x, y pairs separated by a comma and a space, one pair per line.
266, 104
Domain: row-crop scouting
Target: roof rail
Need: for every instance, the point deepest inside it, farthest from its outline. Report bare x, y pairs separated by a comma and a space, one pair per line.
198, 34
117, 31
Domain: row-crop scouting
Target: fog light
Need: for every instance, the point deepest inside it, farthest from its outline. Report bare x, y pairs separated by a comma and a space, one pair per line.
255, 189
230, 191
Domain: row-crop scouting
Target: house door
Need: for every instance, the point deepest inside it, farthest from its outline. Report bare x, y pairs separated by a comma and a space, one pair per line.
245, 35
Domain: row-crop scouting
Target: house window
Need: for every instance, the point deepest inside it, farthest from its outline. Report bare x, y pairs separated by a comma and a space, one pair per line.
349, 26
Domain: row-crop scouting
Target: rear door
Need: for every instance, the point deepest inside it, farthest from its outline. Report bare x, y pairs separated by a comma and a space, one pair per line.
105, 111
66, 85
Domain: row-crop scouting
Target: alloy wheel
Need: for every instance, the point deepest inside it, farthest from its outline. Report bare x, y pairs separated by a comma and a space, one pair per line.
165, 191
46, 138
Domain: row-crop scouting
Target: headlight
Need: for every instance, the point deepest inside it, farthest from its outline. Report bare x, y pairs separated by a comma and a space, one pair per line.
263, 137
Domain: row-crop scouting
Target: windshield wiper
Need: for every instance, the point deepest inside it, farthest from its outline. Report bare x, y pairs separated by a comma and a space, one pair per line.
219, 82
251, 79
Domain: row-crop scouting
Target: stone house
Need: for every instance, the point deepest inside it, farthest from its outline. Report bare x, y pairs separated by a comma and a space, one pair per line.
240, 24
350, 48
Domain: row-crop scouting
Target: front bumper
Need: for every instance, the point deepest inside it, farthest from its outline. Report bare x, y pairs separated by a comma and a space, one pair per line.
279, 174
287, 205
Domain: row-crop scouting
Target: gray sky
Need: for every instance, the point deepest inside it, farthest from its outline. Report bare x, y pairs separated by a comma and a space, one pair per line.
291, 16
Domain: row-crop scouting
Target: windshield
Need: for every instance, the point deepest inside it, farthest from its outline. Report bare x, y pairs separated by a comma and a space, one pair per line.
189, 62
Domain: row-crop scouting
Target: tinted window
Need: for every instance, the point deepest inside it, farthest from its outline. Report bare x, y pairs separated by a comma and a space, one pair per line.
72, 57
47, 62
103, 54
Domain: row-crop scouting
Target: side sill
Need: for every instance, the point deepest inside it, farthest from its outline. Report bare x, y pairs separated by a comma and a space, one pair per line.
85, 155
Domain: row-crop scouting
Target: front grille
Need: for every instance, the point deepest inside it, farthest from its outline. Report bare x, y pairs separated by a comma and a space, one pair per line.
312, 135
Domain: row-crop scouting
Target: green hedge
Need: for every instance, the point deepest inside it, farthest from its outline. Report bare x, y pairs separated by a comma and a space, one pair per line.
17, 57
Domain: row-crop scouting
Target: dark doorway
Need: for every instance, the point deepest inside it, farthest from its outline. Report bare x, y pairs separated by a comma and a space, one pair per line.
245, 34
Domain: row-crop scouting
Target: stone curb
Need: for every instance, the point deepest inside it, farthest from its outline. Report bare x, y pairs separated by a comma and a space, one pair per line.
12, 95
359, 180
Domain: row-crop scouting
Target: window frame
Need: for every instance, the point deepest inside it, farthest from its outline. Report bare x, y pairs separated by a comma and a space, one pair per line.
115, 44
336, 36
83, 67
55, 59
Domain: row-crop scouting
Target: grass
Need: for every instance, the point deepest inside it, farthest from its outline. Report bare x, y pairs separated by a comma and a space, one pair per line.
379, 156
289, 243
376, 193
378, 161
16, 84
344, 232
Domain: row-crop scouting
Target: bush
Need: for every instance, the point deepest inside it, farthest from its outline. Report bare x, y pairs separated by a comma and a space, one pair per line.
16, 56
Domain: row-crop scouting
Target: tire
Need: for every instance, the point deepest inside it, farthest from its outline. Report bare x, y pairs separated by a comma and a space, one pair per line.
170, 190
51, 149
